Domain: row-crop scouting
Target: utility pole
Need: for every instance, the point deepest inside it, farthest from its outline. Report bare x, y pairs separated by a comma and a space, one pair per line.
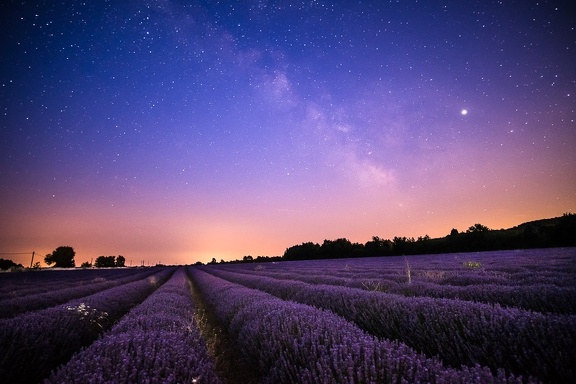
31, 261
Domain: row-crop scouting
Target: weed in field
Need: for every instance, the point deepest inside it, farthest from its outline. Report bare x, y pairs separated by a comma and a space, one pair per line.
472, 264
375, 286
408, 270
95, 317
433, 275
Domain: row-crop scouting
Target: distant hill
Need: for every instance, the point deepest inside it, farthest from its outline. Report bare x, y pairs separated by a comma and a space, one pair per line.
543, 233
541, 223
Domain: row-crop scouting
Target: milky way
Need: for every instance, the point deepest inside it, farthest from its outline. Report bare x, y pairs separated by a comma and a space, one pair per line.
173, 131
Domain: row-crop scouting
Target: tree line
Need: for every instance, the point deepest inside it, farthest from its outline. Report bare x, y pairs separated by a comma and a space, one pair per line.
555, 232
63, 257
110, 261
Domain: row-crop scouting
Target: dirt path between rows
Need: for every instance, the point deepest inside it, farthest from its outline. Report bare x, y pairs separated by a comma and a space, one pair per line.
232, 367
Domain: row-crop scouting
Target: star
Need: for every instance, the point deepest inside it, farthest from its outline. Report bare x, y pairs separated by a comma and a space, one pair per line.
203, 118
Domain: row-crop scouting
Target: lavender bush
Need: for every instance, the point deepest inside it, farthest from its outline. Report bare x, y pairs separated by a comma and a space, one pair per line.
459, 332
52, 294
34, 343
520, 268
29, 282
32, 282
296, 343
156, 342
537, 280
536, 297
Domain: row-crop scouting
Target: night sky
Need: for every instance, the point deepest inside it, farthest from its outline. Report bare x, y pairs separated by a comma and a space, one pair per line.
174, 131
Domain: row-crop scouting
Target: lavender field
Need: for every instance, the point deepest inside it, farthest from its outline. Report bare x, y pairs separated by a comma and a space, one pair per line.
492, 317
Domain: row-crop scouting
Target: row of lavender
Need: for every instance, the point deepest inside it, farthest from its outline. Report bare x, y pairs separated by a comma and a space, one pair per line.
290, 342
459, 332
517, 268
536, 297
36, 342
19, 284
545, 298
552, 288
157, 341
53, 293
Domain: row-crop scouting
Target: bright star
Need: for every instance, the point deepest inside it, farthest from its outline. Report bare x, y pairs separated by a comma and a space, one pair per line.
464, 112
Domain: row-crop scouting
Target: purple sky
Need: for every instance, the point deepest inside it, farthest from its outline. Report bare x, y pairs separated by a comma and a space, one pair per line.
173, 131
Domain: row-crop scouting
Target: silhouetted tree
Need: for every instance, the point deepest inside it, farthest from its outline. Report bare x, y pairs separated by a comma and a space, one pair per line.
336, 248
61, 257
478, 228
105, 262
378, 247
7, 264
303, 251
454, 232
476, 239
402, 245
120, 261
260, 259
